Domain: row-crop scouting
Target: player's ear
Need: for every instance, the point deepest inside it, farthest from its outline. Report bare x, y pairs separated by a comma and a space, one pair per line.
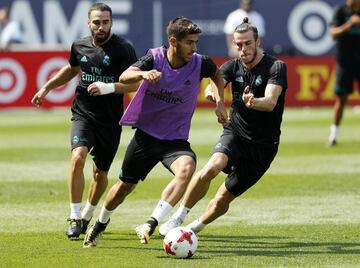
88, 23
172, 40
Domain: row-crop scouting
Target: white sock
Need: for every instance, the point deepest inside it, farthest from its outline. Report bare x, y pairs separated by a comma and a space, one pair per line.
197, 225
105, 214
88, 211
334, 132
75, 211
181, 213
161, 210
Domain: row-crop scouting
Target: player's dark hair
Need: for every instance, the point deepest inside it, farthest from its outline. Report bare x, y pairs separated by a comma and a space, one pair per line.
100, 7
180, 27
246, 26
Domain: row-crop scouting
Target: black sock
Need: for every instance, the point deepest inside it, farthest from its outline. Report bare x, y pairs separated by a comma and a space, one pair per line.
153, 223
99, 227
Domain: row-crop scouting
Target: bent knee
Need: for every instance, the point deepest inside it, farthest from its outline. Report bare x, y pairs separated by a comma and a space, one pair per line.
186, 171
210, 171
189, 168
215, 165
78, 160
100, 175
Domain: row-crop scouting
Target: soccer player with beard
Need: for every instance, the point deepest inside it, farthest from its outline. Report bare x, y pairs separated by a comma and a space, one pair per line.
161, 111
98, 104
250, 140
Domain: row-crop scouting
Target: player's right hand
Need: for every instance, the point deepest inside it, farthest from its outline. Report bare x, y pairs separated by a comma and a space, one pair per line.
152, 76
247, 96
39, 97
221, 113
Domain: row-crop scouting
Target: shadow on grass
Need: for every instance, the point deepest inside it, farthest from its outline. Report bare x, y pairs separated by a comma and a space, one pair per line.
271, 246
211, 246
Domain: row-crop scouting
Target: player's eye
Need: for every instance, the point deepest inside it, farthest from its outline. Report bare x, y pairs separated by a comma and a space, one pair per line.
239, 45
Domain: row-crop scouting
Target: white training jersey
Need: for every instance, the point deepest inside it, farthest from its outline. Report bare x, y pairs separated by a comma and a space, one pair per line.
236, 17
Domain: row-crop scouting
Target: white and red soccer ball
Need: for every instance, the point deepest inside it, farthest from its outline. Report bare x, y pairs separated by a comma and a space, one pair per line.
180, 242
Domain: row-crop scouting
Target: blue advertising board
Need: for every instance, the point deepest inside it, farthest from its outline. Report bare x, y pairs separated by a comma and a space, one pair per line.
292, 26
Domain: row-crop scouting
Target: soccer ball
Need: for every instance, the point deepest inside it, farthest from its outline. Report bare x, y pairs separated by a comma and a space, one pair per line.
180, 242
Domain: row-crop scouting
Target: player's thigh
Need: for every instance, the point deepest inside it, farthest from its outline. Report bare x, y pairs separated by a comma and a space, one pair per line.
228, 145
183, 166
81, 134
106, 145
345, 78
251, 166
140, 157
177, 156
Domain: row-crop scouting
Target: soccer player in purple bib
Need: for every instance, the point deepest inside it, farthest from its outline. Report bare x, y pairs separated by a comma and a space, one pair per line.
250, 140
161, 112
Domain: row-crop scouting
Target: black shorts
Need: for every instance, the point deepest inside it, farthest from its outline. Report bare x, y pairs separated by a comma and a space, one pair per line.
102, 141
145, 151
248, 161
345, 78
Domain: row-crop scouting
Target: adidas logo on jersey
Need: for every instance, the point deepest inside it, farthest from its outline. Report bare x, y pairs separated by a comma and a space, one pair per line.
83, 59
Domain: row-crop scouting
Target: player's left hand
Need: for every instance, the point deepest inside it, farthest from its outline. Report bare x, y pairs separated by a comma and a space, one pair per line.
100, 88
39, 97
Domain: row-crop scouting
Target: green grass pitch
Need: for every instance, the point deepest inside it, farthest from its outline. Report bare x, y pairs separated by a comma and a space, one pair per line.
305, 212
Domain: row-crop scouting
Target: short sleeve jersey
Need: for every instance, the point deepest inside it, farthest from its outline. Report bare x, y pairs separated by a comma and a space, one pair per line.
257, 126
348, 44
236, 17
105, 64
208, 67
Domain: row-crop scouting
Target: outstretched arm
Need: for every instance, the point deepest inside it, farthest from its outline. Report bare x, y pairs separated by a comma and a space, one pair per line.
135, 74
100, 88
63, 76
266, 103
217, 95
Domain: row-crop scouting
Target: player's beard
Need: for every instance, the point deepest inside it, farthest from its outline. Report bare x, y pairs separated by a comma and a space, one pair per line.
100, 40
181, 55
253, 57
